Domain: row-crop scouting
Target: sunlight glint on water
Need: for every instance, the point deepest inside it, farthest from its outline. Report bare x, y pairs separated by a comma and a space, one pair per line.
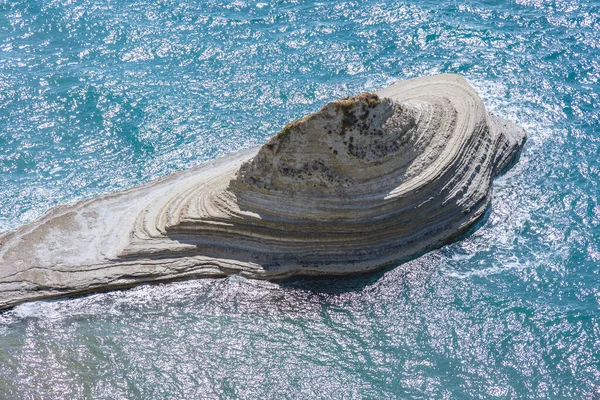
98, 96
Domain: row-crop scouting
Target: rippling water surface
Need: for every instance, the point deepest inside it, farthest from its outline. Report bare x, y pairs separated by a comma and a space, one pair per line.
100, 95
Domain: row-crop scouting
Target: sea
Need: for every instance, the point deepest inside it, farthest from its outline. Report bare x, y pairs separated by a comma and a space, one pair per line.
97, 96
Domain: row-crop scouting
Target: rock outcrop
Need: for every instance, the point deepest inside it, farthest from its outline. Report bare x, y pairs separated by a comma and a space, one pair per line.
364, 181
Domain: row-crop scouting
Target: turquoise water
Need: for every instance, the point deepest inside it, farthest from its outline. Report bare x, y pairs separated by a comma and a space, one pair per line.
97, 96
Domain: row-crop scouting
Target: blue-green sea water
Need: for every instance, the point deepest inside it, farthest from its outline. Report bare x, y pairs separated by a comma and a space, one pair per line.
100, 95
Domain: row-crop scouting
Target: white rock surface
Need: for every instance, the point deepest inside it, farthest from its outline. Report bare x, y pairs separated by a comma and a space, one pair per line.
363, 182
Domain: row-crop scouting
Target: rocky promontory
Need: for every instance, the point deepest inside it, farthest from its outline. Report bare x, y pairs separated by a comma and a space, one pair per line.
364, 181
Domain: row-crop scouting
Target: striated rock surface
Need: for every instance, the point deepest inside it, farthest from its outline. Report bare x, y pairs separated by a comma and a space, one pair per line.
364, 181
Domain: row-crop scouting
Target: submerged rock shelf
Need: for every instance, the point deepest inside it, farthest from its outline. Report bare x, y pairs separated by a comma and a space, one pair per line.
364, 181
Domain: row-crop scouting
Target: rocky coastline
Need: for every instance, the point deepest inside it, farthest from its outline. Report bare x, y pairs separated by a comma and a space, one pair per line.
363, 182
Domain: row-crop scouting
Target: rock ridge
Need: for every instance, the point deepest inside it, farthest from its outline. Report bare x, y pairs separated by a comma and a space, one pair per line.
362, 182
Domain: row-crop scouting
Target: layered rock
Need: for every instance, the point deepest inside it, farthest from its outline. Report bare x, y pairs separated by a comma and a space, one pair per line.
364, 181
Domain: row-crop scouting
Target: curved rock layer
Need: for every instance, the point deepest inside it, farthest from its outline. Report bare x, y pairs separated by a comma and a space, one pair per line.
364, 181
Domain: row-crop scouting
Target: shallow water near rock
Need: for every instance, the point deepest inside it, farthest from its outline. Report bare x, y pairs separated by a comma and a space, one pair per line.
98, 96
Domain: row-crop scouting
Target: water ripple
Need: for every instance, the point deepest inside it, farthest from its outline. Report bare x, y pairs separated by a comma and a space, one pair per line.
100, 95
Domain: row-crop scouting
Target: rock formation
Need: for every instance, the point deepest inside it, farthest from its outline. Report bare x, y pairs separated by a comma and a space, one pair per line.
364, 181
